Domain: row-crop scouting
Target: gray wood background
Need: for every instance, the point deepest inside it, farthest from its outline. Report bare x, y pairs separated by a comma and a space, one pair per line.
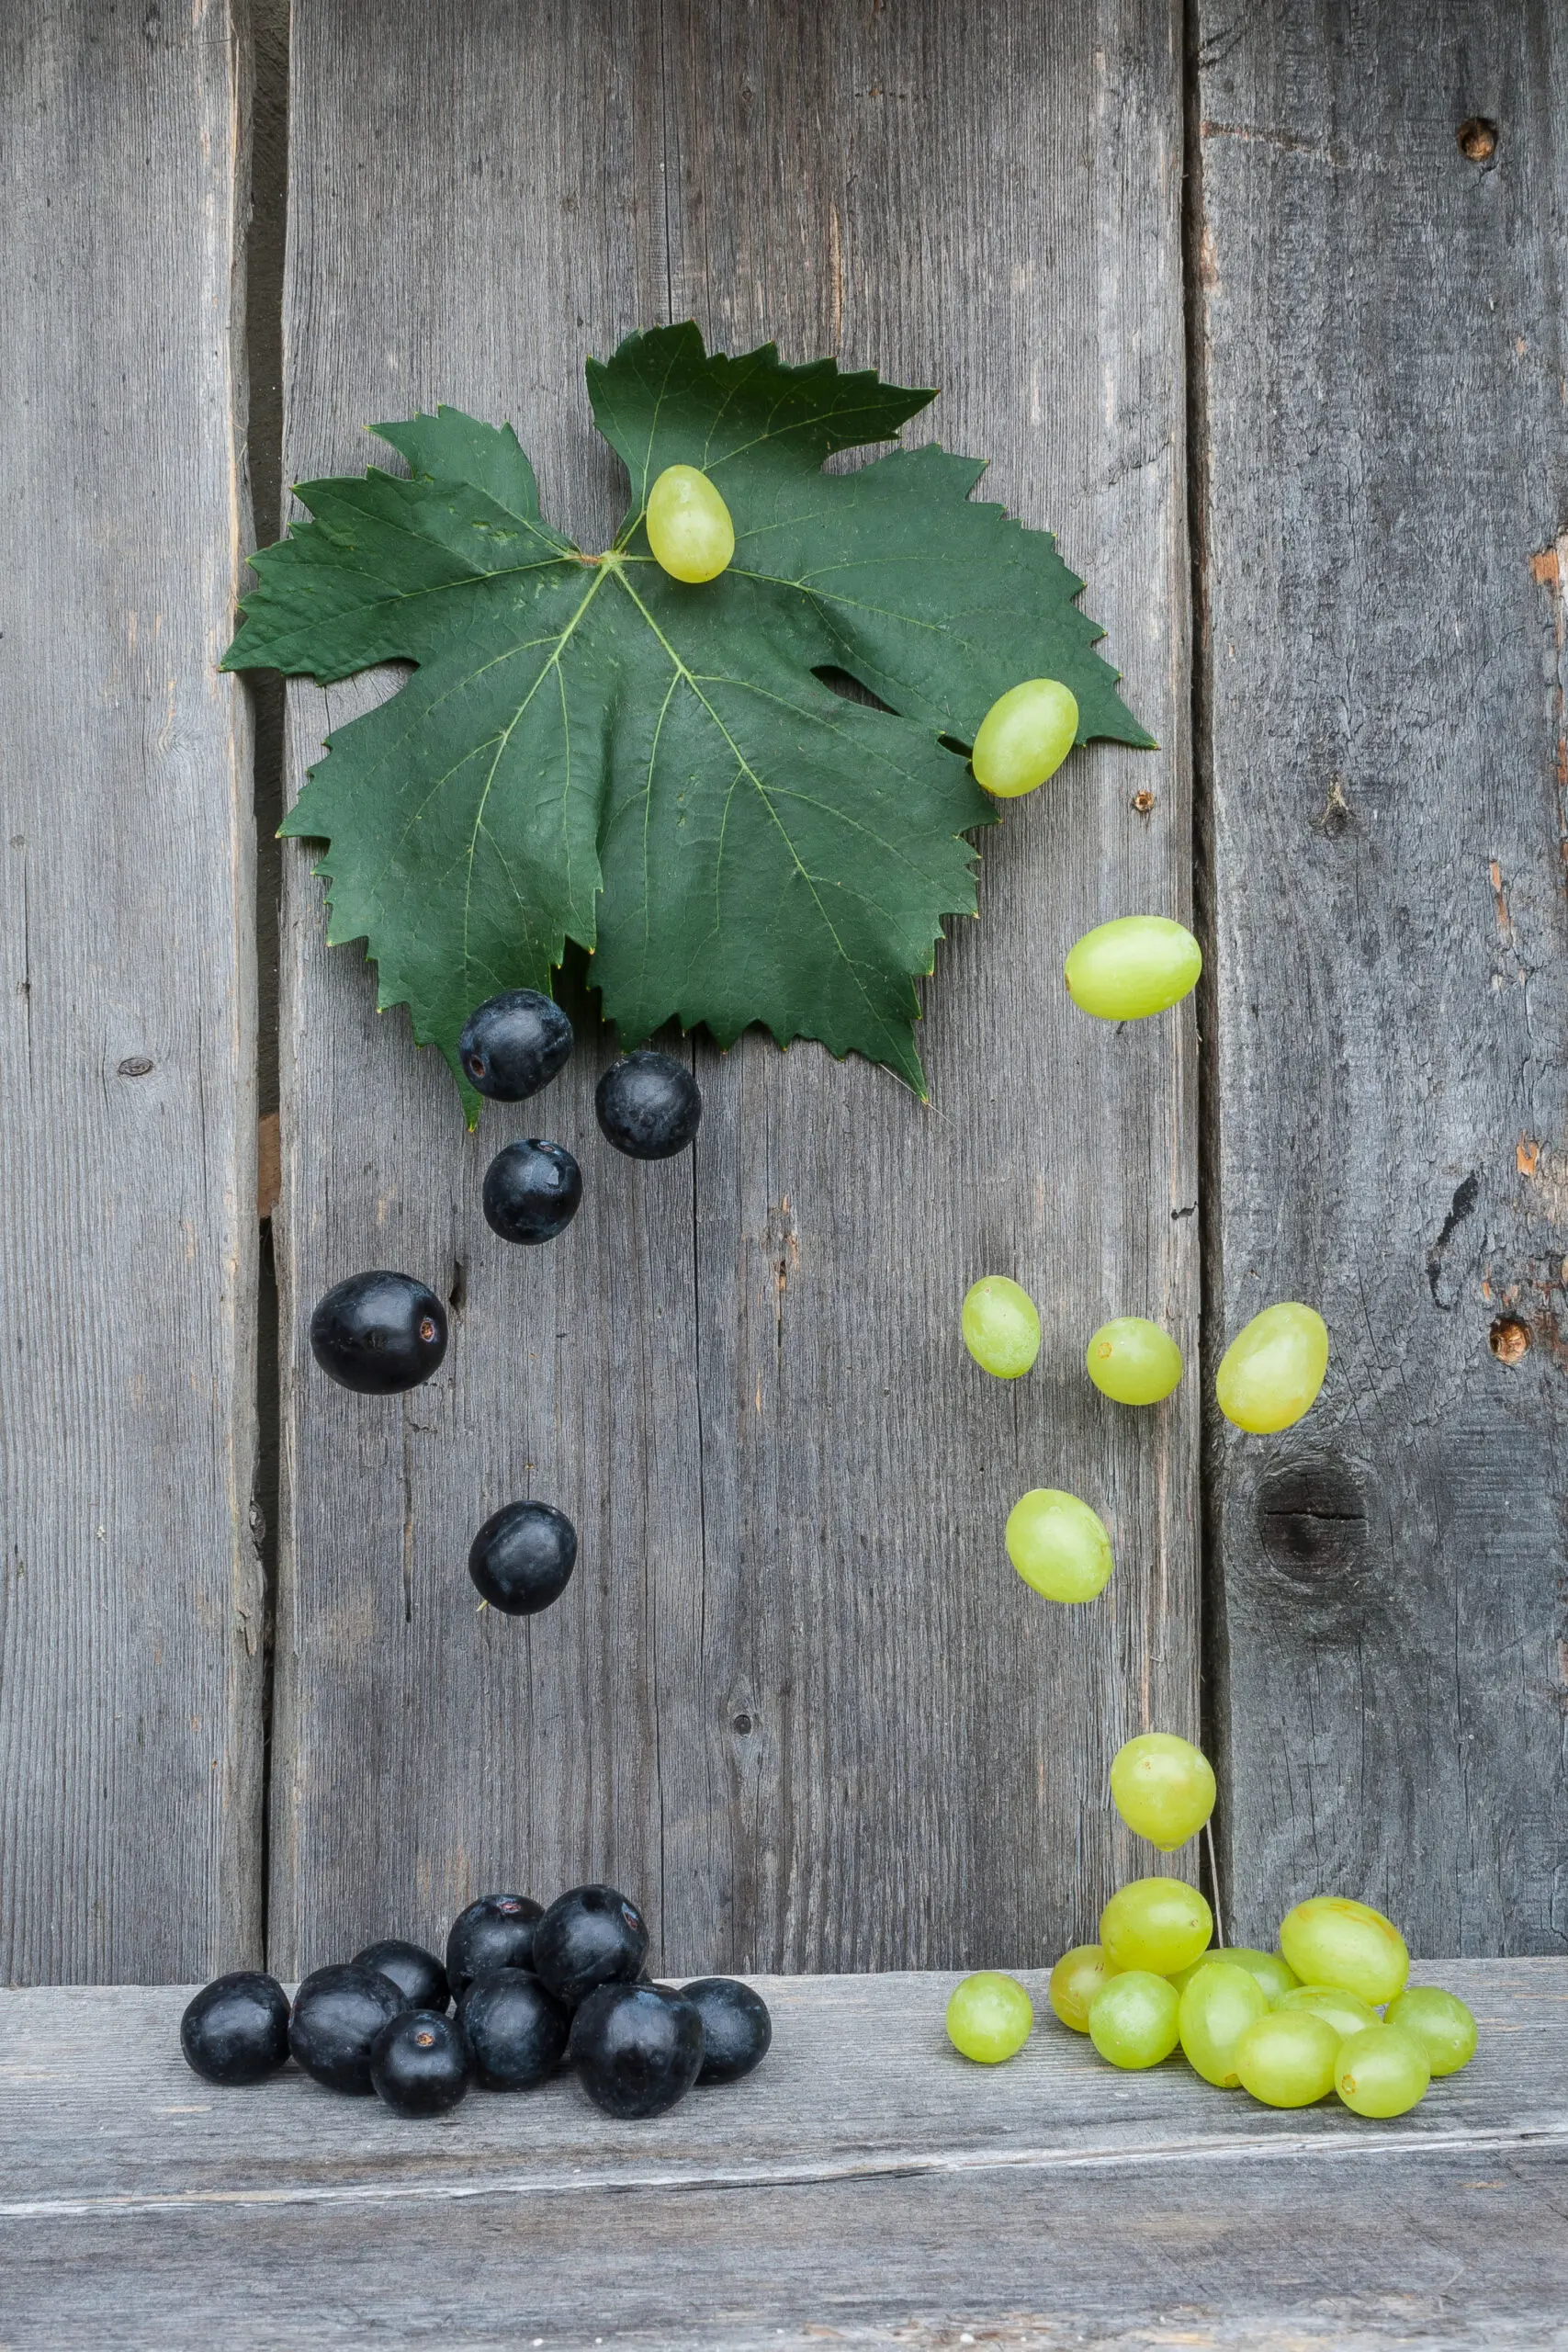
795, 1697
131, 1599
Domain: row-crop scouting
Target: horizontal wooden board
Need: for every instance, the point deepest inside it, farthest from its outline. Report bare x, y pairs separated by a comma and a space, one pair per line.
1384, 478
866, 2185
794, 1699
131, 1599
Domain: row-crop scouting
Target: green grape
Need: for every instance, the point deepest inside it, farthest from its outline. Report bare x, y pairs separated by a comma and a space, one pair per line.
1438, 2021
1001, 1326
1132, 1362
1024, 736
689, 528
1381, 2071
1138, 965
1058, 1546
1333, 1941
1270, 1970
1159, 1924
1163, 1788
1346, 2012
1218, 2004
1287, 2058
989, 2016
1272, 1370
1075, 1979
1133, 2019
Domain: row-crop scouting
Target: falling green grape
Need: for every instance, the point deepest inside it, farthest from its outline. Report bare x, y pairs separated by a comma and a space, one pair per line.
1132, 967
1001, 1326
1163, 1788
1133, 2018
1075, 1979
1332, 1940
1268, 1967
1132, 1362
689, 529
1271, 1373
1439, 2021
1161, 1923
1346, 2012
1024, 736
989, 2016
1287, 2058
1058, 1546
1218, 2005
1381, 2071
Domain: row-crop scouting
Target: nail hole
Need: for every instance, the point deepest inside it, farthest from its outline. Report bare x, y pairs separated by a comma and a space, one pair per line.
135, 1066
1508, 1338
1477, 139
743, 1723
457, 1289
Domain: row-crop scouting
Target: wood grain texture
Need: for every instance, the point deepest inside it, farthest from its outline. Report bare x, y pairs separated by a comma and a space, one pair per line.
795, 1698
1386, 473
129, 1600
865, 2186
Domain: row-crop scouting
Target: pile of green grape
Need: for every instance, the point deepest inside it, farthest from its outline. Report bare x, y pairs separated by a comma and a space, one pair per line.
1331, 2010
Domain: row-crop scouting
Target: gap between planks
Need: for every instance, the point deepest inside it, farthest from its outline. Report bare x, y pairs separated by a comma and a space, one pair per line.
1295, 2145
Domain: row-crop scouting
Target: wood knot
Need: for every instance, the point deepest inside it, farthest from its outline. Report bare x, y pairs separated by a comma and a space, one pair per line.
1313, 1549
135, 1066
1508, 1338
1477, 139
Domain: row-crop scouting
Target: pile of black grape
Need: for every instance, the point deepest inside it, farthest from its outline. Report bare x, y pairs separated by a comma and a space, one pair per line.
533, 1989
379, 1333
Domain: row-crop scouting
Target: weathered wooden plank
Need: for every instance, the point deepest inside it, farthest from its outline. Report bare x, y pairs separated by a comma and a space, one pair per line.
1386, 473
129, 1600
865, 2183
794, 1696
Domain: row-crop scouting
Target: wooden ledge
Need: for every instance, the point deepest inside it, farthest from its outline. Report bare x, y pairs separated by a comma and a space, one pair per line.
866, 2186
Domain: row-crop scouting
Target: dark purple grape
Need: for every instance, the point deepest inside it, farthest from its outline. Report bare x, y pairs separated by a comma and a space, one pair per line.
589, 1935
514, 1043
523, 1558
337, 2014
236, 2029
378, 1333
517, 2029
495, 1931
532, 1191
649, 1105
636, 2048
737, 2029
415, 1972
420, 2064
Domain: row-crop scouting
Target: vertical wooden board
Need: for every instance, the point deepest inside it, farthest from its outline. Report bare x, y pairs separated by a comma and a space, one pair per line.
130, 1608
794, 1696
1379, 343
904, 1756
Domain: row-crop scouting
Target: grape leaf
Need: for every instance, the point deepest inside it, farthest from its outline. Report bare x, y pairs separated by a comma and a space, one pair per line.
588, 749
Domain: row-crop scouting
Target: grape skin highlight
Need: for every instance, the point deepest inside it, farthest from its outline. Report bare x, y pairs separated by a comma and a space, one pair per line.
1024, 736
1058, 1546
1159, 1924
689, 529
1130, 968
1132, 1362
1163, 1788
1001, 1326
1272, 1372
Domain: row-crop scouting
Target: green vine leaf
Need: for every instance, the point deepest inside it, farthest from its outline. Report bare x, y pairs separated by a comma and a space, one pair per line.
588, 749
